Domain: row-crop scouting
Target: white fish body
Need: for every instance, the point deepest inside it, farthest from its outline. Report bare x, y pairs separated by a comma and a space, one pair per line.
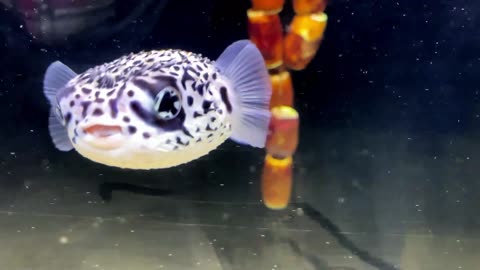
160, 108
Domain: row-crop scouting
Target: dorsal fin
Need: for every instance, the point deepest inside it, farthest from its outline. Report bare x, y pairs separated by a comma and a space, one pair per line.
56, 77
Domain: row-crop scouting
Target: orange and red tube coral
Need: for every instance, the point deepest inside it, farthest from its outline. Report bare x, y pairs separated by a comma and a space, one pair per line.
293, 51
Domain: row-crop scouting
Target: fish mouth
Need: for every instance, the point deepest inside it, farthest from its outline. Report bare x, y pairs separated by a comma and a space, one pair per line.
104, 137
102, 131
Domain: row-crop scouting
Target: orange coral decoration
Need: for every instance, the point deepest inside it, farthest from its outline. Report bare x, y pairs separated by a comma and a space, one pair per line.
277, 182
266, 32
294, 51
268, 5
282, 89
283, 138
309, 6
303, 39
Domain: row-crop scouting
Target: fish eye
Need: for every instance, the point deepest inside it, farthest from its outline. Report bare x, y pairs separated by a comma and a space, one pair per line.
167, 103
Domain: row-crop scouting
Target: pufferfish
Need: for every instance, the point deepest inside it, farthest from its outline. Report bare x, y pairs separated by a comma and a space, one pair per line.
160, 108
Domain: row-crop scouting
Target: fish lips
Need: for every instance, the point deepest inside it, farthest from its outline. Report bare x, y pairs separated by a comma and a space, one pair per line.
104, 137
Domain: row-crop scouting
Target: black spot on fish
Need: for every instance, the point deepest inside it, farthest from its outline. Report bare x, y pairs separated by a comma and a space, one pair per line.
186, 132
110, 92
176, 68
196, 114
146, 135
199, 88
212, 119
214, 76
132, 129
113, 102
199, 140
97, 94
99, 100
209, 128
224, 96
220, 111
168, 141
86, 90
175, 147
179, 141
130, 93
206, 106
90, 81
207, 86
149, 60
205, 76
113, 107
197, 130
72, 103
77, 96
190, 101
97, 112
186, 77
136, 72
137, 62
210, 135
126, 70
173, 73
85, 105
68, 117
126, 119
74, 140
106, 82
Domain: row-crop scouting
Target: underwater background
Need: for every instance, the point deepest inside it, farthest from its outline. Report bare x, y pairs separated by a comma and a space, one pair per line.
385, 176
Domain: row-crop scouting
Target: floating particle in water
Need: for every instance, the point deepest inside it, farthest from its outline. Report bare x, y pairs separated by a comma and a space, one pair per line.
63, 240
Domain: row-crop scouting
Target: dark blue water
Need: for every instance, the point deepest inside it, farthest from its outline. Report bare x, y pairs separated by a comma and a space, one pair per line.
385, 174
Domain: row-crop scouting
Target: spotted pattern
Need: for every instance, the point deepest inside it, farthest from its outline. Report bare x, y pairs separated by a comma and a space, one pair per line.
122, 93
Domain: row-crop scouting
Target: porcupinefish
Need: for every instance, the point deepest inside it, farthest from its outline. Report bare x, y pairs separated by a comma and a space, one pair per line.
160, 108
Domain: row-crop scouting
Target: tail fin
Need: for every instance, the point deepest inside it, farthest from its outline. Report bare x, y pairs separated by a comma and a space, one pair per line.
56, 77
244, 65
